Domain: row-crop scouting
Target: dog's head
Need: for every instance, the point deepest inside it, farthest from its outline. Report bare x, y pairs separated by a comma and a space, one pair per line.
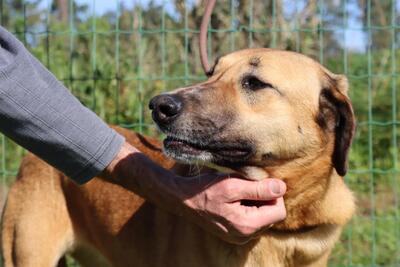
262, 108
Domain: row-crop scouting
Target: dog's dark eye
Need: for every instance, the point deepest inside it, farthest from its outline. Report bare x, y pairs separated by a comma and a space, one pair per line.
253, 83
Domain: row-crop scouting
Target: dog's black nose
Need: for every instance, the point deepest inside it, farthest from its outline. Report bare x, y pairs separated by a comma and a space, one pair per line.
165, 108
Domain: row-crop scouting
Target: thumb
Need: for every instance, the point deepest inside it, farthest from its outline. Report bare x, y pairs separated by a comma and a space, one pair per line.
267, 189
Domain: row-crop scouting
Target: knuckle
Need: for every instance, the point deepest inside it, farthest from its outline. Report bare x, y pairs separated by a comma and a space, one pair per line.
246, 230
260, 189
232, 218
208, 195
229, 187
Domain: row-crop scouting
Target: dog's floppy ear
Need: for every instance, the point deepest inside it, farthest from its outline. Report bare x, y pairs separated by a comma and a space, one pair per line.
336, 115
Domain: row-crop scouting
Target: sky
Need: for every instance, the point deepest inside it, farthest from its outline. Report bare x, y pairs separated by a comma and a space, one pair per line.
355, 39
102, 6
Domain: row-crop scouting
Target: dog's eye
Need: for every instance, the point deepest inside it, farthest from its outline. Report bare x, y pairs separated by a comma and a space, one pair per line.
253, 83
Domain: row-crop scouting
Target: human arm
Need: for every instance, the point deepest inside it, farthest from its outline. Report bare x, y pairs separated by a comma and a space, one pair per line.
40, 114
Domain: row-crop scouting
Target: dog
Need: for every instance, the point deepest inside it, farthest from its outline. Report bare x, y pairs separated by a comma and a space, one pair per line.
262, 112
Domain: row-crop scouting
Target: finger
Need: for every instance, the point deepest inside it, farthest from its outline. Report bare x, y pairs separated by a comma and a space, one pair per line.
264, 190
249, 220
267, 214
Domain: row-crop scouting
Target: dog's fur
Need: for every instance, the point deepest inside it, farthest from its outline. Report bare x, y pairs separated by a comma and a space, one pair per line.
261, 109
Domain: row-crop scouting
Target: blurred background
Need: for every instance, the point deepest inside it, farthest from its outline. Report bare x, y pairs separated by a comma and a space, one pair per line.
115, 55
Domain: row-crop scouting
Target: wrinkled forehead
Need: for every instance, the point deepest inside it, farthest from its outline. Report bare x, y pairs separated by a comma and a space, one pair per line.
269, 62
293, 73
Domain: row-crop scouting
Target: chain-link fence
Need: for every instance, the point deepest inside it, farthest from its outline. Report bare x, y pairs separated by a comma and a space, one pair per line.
115, 55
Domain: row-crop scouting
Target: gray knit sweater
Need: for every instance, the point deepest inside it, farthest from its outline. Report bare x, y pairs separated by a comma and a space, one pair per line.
40, 114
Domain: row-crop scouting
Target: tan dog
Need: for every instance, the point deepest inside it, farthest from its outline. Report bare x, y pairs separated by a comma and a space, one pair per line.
263, 112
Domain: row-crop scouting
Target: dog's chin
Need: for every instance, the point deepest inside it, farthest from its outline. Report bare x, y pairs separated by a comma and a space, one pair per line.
189, 155
226, 159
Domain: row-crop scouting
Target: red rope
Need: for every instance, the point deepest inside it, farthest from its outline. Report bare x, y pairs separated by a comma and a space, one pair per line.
203, 35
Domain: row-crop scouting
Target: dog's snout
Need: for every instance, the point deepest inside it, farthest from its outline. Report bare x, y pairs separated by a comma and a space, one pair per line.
165, 108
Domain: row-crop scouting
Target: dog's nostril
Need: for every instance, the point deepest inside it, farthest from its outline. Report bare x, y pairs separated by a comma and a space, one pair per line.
165, 107
152, 104
169, 109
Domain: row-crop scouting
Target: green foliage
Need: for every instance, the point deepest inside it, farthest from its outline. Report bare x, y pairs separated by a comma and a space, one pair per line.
114, 63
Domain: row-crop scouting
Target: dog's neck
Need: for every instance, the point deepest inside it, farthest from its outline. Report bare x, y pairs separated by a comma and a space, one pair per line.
321, 202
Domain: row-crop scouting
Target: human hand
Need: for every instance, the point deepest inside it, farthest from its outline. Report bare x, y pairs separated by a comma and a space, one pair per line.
234, 209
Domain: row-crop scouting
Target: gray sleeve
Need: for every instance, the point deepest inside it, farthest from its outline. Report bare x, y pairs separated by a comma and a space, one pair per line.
40, 114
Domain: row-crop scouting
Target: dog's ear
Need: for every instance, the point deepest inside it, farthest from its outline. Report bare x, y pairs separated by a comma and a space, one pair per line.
336, 115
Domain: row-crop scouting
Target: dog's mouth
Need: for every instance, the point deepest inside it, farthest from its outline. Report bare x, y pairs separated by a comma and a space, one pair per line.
219, 152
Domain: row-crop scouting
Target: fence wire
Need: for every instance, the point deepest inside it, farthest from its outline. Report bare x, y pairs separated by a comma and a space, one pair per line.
115, 55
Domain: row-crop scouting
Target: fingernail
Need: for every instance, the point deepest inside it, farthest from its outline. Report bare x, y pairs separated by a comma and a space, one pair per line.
275, 187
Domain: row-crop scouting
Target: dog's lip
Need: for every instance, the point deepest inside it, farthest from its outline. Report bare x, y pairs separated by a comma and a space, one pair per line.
181, 145
219, 148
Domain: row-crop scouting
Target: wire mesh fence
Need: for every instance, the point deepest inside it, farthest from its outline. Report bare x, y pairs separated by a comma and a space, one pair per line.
115, 55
